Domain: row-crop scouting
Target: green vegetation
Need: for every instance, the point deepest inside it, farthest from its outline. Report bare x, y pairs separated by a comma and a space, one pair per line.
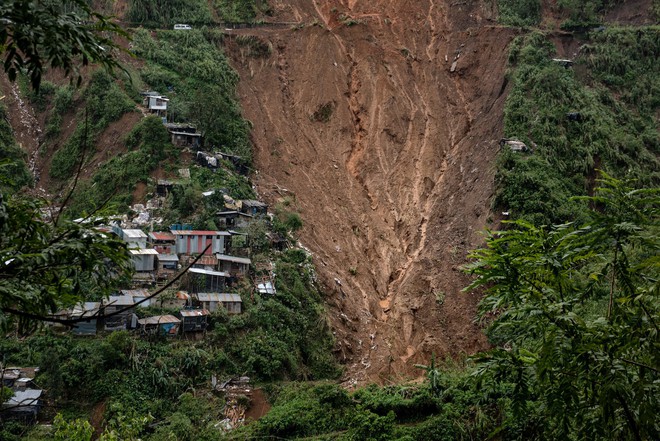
72, 261
196, 12
281, 337
112, 184
105, 102
613, 128
36, 35
169, 12
202, 85
12, 158
519, 12
575, 319
583, 13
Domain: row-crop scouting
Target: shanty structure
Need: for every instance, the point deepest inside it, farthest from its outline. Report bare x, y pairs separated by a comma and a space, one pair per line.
184, 135
212, 301
206, 262
166, 325
203, 280
194, 320
233, 219
143, 259
253, 207
89, 311
179, 299
164, 187
195, 241
121, 320
167, 264
155, 103
235, 266
18, 377
162, 241
24, 405
133, 237
138, 296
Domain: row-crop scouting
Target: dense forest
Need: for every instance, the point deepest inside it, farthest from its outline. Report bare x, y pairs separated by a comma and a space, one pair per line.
571, 298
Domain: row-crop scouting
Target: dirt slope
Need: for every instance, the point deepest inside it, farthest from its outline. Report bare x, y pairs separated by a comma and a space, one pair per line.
390, 158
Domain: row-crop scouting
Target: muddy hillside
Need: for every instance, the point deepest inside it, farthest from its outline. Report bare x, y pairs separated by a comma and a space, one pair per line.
381, 121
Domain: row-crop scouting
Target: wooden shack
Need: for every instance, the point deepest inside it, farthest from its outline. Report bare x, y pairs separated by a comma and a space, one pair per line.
253, 207
90, 311
235, 266
124, 319
166, 325
194, 320
203, 280
233, 219
23, 405
212, 301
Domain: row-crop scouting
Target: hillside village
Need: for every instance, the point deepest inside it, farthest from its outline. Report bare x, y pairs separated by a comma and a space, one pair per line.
399, 131
212, 266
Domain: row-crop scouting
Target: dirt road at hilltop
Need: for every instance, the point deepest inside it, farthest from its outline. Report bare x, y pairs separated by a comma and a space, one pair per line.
389, 157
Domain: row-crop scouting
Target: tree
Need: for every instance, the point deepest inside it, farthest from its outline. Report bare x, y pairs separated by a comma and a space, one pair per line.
47, 264
576, 313
35, 34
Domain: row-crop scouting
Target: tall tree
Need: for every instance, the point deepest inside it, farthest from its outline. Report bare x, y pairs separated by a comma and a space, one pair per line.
60, 34
575, 316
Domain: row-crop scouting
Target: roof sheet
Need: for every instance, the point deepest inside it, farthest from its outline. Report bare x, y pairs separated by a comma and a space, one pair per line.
27, 397
196, 134
134, 234
168, 257
194, 312
159, 320
218, 297
182, 295
227, 258
199, 233
119, 301
143, 252
162, 235
135, 292
86, 309
208, 272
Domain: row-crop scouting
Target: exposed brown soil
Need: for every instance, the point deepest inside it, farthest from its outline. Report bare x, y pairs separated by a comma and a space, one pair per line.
395, 187
259, 405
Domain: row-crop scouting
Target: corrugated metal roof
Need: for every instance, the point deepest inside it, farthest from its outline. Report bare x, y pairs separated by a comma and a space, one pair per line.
86, 309
143, 252
199, 233
194, 312
135, 292
168, 257
227, 258
218, 297
233, 212
27, 397
196, 134
119, 301
134, 234
182, 295
162, 235
159, 320
208, 272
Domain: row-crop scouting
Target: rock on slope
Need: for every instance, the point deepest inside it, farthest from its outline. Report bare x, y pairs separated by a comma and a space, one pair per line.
389, 155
